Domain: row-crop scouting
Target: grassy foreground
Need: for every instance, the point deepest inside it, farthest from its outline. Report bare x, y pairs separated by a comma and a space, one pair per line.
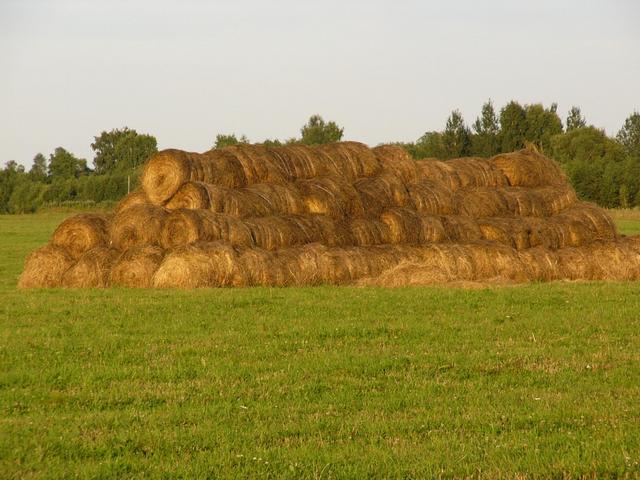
540, 380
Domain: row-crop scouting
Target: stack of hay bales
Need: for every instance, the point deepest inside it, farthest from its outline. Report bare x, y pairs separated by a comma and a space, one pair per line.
337, 214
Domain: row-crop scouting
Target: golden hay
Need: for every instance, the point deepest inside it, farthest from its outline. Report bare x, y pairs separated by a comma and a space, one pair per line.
438, 171
44, 267
184, 226
527, 168
396, 160
81, 232
134, 198
408, 227
195, 195
257, 163
138, 225
504, 201
92, 270
251, 201
431, 197
200, 265
384, 191
366, 231
351, 160
333, 196
136, 266
338, 214
167, 170
477, 172
301, 161
272, 233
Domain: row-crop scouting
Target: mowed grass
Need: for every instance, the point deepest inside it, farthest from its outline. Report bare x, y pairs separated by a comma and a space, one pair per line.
540, 380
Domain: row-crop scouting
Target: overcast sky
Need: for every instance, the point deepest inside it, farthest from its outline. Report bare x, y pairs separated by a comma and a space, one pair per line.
384, 70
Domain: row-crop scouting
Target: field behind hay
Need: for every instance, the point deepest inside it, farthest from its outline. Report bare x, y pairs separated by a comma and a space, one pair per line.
322, 382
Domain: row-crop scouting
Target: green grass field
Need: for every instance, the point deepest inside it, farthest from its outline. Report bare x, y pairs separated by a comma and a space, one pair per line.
540, 380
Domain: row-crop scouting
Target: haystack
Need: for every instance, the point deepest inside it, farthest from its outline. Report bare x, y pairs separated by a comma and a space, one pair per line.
337, 214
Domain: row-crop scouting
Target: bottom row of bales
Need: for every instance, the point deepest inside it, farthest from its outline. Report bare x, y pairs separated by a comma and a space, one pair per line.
219, 264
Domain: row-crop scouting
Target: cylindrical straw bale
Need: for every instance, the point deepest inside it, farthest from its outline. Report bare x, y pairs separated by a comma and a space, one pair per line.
138, 225
527, 168
396, 160
44, 267
200, 265
136, 267
166, 171
185, 226
92, 270
333, 196
82, 232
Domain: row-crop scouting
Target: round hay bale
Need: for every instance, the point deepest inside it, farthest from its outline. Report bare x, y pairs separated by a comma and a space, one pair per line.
480, 202
514, 232
332, 196
527, 168
134, 198
185, 226
541, 264
82, 232
460, 229
404, 225
381, 192
138, 225
200, 265
257, 163
195, 195
332, 232
167, 170
272, 233
135, 267
365, 231
431, 197
92, 270
396, 160
477, 172
351, 160
437, 171
283, 199
300, 161
44, 267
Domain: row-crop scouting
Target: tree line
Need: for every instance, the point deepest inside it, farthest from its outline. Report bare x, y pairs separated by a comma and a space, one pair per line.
602, 169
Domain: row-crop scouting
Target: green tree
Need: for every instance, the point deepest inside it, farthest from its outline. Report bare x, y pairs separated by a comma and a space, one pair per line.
63, 164
10, 176
456, 138
38, 171
429, 145
629, 135
228, 140
122, 149
513, 127
317, 132
485, 142
575, 119
596, 164
542, 124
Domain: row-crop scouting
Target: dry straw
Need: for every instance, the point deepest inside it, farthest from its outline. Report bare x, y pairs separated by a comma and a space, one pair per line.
337, 214
138, 225
92, 269
45, 267
82, 232
136, 266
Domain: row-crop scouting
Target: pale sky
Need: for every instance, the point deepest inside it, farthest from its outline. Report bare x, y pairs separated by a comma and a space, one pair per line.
384, 70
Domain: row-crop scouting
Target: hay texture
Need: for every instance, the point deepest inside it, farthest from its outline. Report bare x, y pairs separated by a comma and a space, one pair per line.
82, 232
337, 214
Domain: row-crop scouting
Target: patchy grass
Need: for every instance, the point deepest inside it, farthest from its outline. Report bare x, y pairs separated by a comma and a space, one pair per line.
541, 380
627, 220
